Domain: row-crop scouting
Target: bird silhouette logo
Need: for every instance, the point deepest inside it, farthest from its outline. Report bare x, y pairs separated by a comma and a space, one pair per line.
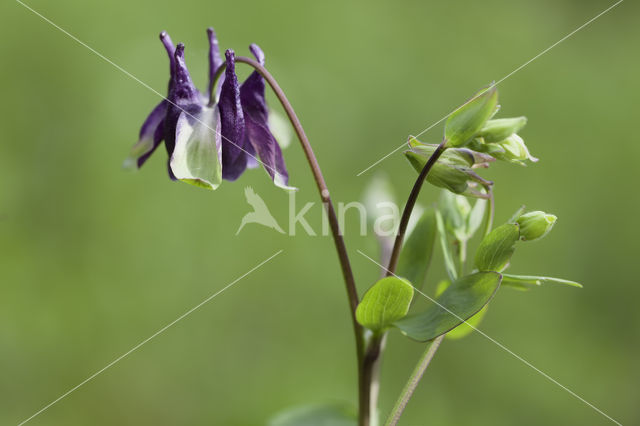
260, 213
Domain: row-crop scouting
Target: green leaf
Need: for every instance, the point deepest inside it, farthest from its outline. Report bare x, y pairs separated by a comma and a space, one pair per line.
496, 249
384, 303
316, 415
463, 299
467, 121
476, 217
528, 281
418, 249
467, 327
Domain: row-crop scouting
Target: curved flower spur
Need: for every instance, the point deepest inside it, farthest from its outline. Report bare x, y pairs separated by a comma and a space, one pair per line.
214, 136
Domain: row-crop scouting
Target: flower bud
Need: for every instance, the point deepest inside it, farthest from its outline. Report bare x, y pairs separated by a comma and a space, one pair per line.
515, 150
535, 225
501, 128
453, 170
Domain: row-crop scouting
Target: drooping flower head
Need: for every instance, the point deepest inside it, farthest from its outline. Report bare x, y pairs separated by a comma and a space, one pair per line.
209, 140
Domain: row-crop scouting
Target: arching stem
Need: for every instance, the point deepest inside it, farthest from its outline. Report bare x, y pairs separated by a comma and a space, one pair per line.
374, 349
326, 201
408, 208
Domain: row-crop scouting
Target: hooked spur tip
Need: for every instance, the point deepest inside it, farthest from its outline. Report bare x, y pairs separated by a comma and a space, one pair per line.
163, 35
257, 52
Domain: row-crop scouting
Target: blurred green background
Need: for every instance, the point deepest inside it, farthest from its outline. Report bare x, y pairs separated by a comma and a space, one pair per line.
94, 259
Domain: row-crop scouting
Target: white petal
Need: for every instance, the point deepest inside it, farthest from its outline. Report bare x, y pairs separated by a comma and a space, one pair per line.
197, 154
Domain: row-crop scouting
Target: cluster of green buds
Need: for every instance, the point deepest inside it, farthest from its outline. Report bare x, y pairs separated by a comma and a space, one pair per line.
454, 170
499, 138
472, 139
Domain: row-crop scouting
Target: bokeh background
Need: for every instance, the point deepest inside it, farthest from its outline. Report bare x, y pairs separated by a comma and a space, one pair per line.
95, 259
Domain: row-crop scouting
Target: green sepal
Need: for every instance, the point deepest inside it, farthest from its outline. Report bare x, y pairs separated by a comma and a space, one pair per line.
525, 282
467, 121
499, 129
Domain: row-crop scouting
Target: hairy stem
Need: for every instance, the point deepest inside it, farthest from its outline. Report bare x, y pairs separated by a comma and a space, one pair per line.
328, 204
413, 381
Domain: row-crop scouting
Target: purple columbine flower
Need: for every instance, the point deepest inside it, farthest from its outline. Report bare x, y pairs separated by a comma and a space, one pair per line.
211, 139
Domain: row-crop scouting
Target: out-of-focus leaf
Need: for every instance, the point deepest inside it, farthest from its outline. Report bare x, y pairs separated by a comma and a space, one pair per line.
418, 249
316, 415
384, 303
463, 299
528, 281
496, 249
449, 263
476, 216
467, 121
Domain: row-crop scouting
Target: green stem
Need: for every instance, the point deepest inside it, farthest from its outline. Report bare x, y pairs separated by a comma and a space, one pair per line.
338, 239
413, 381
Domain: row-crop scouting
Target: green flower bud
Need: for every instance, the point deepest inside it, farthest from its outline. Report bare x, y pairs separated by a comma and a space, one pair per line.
535, 225
454, 169
515, 150
511, 149
501, 128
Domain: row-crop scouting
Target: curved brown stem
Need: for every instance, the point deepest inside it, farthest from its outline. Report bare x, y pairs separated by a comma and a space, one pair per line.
374, 349
326, 201
408, 208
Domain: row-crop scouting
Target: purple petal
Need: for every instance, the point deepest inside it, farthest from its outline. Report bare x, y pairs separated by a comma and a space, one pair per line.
214, 58
152, 122
234, 155
151, 134
158, 136
183, 95
183, 90
170, 48
257, 52
269, 152
252, 92
257, 126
